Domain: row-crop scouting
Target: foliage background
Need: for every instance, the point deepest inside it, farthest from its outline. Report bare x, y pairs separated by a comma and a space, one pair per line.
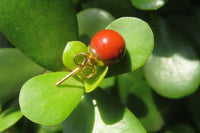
163, 94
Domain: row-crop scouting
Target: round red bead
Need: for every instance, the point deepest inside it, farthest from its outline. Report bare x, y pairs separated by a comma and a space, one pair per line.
109, 45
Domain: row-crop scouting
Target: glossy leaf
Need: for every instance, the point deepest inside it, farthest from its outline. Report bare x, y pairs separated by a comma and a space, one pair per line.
9, 117
43, 102
15, 69
138, 40
92, 20
99, 112
72, 48
148, 4
40, 29
173, 70
93, 82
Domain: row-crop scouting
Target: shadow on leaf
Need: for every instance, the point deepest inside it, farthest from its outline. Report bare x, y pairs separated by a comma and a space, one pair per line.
136, 105
169, 41
81, 120
121, 67
85, 38
110, 110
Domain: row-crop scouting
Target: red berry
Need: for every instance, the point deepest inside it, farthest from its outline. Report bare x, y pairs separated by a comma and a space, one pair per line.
108, 46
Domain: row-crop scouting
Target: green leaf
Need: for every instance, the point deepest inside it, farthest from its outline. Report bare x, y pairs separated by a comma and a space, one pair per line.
136, 76
138, 40
194, 108
173, 70
182, 20
148, 4
40, 29
93, 82
176, 7
75, 2
179, 128
107, 82
150, 117
43, 102
9, 117
72, 48
15, 70
50, 128
138, 97
117, 8
99, 112
4, 41
92, 20
81, 120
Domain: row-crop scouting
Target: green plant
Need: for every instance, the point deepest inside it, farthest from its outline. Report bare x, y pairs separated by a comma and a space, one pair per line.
144, 92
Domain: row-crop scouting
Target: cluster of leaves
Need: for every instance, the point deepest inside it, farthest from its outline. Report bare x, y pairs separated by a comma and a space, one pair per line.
141, 93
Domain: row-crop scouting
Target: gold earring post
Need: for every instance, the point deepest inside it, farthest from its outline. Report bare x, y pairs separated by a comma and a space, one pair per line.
69, 75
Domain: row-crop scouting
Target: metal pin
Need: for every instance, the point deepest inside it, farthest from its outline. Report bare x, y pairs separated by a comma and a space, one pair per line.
69, 75
81, 66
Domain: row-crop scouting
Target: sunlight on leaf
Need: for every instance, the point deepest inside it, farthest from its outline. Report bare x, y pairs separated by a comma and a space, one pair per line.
43, 102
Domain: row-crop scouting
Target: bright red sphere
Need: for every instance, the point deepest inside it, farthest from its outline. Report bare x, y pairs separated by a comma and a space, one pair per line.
109, 45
